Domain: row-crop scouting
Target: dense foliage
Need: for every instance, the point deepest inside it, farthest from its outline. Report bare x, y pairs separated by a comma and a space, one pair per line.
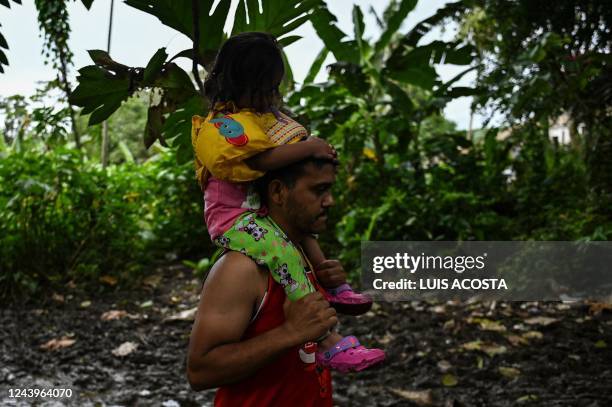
63, 219
406, 172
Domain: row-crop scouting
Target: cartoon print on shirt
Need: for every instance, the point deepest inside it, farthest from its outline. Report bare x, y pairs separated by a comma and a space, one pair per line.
223, 241
231, 130
254, 230
288, 283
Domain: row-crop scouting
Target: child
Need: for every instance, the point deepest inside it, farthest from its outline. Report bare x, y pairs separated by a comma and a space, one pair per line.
243, 137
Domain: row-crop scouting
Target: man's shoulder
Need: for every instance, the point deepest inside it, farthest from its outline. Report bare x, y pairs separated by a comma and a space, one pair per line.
236, 259
235, 265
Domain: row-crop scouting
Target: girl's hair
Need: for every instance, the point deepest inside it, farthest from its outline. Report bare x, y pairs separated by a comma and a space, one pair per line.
248, 69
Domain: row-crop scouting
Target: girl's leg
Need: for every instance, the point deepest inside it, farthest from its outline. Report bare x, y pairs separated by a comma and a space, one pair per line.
265, 243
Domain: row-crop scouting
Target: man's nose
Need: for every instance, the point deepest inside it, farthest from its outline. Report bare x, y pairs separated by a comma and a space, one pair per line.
328, 201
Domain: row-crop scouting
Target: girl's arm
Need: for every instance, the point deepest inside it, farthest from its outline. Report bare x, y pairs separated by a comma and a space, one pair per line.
313, 251
286, 154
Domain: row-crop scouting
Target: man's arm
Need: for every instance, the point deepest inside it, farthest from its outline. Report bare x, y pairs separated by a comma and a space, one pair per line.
216, 356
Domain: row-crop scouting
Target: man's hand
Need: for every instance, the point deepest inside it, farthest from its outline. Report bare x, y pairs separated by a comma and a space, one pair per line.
330, 273
309, 317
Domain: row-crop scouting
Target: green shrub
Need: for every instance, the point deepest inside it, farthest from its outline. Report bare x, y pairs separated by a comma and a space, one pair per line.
63, 219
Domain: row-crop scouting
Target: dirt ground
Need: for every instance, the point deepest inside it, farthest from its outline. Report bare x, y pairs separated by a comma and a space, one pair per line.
452, 354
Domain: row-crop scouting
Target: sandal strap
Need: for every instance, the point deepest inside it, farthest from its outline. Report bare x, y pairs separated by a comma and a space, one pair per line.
341, 288
345, 343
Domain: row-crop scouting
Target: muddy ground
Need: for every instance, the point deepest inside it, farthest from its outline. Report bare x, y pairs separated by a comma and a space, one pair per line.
494, 354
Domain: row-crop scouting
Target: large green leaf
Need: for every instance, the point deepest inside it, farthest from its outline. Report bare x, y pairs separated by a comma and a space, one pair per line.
418, 31
155, 65
177, 127
350, 76
316, 66
99, 93
7, 3
418, 75
394, 22
178, 14
401, 100
87, 3
278, 17
3, 43
104, 60
325, 24
288, 84
415, 66
358, 27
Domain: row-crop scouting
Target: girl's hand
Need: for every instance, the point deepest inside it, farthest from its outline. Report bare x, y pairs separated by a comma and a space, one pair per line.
321, 149
330, 273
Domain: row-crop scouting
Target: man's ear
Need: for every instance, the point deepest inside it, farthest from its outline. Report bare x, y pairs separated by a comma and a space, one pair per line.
277, 192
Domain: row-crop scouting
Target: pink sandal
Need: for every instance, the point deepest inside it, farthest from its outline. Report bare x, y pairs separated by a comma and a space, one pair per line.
348, 355
346, 301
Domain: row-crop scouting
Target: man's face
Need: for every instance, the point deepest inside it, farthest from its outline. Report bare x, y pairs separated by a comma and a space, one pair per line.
310, 198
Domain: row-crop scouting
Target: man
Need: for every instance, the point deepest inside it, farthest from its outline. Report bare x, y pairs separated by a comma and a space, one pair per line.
247, 335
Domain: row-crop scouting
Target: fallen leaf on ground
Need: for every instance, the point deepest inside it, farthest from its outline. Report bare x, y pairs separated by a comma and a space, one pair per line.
448, 325
146, 304
110, 280
596, 308
479, 362
444, 366
516, 340
57, 297
387, 338
58, 343
85, 304
487, 325
544, 321
187, 315
418, 397
153, 280
125, 349
533, 335
113, 314
489, 348
509, 372
438, 309
527, 398
449, 380
600, 344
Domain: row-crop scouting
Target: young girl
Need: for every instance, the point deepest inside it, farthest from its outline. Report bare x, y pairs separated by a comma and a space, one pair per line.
244, 136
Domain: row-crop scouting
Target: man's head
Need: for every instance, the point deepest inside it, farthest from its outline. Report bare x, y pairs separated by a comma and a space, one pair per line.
299, 195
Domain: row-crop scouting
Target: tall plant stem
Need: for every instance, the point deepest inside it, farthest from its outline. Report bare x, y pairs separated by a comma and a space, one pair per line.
105, 135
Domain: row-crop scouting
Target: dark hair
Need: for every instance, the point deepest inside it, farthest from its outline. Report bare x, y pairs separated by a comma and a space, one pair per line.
288, 175
249, 66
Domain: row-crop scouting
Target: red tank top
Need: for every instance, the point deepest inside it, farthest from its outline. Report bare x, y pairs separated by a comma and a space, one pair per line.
283, 382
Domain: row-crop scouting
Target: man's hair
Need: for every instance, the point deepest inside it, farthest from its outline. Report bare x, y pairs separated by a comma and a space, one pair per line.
288, 175
248, 65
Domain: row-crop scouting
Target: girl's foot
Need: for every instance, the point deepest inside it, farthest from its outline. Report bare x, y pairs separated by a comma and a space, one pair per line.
346, 354
347, 301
